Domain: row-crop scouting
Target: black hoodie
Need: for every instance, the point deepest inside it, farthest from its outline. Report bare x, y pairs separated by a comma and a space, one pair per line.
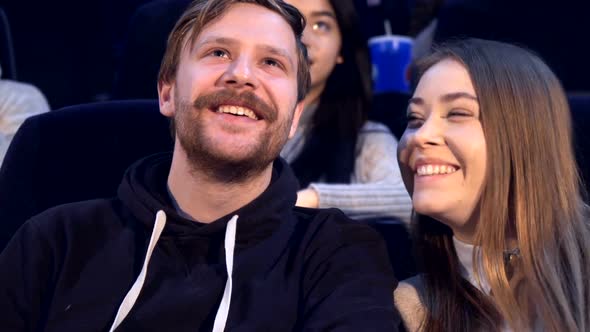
70, 268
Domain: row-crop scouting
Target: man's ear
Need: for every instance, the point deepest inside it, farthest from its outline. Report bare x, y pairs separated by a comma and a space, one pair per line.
296, 116
166, 99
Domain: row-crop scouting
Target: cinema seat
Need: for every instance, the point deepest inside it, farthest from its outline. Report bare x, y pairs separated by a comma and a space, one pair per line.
73, 154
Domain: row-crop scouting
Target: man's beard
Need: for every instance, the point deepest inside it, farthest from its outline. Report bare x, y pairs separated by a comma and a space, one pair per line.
203, 156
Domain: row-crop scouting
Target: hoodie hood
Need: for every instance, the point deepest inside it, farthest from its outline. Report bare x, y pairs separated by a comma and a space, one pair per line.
144, 191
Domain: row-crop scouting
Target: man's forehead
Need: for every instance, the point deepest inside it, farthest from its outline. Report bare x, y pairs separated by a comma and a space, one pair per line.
245, 23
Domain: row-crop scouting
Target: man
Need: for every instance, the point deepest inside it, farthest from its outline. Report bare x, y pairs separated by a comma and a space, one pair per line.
208, 238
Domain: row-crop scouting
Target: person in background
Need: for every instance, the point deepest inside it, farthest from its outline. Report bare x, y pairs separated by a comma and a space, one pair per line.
143, 48
207, 238
552, 29
501, 229
18, 101
341, 159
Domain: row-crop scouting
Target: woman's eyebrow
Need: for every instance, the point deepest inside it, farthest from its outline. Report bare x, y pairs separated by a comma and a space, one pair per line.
446, 98
457, 95
320, 13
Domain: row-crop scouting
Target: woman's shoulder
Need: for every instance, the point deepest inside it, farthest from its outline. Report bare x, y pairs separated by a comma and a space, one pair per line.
374, 127
409, 291
408, 301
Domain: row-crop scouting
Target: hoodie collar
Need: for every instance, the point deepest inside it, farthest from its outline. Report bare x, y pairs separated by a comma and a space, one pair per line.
143, 190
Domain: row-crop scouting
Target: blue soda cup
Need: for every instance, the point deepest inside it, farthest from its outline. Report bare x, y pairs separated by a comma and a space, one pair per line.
391, 56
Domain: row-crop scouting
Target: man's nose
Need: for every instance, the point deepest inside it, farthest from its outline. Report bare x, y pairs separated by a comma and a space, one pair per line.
241, 73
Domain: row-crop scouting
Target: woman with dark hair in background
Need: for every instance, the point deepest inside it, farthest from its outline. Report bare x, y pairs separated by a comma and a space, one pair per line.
501, 227
341, 159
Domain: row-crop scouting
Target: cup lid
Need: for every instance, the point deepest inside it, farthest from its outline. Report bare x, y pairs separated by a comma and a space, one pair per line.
398, 38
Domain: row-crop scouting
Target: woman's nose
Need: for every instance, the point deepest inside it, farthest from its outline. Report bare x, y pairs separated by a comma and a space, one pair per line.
430, 132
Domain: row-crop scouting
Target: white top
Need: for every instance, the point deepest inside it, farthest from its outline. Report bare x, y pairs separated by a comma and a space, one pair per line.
465, 255
18, 101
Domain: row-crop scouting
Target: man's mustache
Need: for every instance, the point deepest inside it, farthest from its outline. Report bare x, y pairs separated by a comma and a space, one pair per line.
245, 99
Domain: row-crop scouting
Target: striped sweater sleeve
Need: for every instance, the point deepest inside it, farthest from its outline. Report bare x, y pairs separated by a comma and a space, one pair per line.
376, 189
18, 101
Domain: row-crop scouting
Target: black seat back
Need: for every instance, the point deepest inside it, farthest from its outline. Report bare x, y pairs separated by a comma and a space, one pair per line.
76, 153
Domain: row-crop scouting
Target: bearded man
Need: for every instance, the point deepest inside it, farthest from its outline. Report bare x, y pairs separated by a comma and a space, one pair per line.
207, 238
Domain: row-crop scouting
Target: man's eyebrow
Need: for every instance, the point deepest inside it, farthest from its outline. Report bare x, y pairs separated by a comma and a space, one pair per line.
446, 98
217, 40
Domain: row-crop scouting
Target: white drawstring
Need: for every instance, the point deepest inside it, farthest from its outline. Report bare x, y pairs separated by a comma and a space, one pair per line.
133, 293
230, 242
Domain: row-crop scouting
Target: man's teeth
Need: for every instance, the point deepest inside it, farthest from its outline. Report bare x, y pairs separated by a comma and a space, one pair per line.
237, 110
435, 169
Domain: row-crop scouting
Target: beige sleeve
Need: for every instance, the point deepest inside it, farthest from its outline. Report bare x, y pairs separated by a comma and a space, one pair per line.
407, 301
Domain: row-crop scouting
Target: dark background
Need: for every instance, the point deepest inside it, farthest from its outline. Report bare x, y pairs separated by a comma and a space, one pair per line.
72, 50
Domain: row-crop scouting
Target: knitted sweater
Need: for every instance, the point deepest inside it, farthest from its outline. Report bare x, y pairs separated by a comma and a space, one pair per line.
376, 189
18, 101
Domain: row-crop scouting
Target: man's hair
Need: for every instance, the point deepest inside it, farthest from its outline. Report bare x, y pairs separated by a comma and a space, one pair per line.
200, 13
532, 193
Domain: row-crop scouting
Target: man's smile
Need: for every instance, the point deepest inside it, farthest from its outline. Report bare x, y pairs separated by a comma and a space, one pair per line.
237, 110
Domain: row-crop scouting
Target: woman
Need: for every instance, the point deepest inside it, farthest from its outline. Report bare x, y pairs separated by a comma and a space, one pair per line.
500, 226
341, 159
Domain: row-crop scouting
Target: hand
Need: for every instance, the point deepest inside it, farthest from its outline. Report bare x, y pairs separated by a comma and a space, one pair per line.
307, 198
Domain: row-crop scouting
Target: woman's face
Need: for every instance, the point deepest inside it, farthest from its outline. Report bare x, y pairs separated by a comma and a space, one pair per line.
322, 38
442, 153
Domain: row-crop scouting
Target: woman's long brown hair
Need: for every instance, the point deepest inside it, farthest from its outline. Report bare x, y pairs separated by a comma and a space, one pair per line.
532, 197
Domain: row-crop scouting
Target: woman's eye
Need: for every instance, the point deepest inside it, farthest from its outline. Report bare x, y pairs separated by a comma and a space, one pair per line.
459, 113
321, 26
414, 121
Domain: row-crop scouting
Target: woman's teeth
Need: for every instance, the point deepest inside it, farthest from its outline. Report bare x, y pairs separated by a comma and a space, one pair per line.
425, 170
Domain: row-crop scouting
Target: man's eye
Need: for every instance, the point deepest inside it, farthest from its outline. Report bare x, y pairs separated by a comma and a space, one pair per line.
272, 63
219, 53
